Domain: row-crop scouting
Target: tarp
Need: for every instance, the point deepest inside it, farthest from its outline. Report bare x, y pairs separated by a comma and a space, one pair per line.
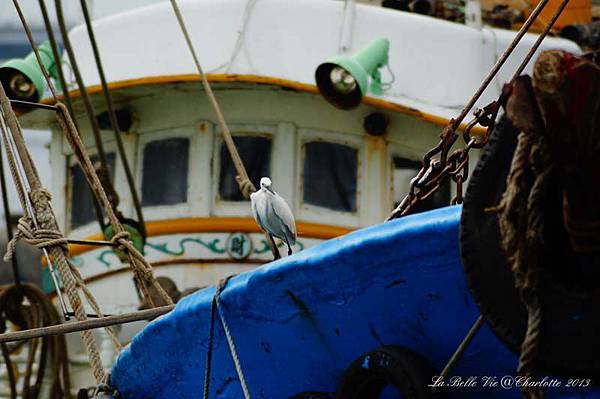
299, 322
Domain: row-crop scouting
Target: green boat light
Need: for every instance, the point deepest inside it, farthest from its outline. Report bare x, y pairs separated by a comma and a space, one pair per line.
344, 80
23, 79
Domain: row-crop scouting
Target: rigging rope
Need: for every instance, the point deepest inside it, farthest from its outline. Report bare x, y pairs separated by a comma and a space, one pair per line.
7, 222
58, 63
141, 268
57, 56
45, 219
488, 79
246, 186
250, 4
82, 89
18, 179
233, 351
36, 237
103, 169
45, 238
211, 337
113, 119
215, 307
540, 38
19, 185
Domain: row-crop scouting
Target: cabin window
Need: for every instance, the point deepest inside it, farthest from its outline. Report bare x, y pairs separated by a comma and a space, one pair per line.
82, 205
255, 152
165, 172
330, 175
403, 172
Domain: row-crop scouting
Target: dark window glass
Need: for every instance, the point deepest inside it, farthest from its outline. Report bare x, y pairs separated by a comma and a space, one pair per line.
82, 205
165, 172
330, 173
404, 170
256, 155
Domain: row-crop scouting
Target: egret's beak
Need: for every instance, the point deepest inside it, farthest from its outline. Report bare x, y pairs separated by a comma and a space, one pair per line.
269, 190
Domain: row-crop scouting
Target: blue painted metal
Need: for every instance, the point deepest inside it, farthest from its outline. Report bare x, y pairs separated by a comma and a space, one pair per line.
299, 322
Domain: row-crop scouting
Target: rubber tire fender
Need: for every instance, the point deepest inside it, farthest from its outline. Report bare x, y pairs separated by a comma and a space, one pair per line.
403, 368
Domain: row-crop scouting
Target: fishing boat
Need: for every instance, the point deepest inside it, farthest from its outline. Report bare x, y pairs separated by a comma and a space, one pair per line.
341, 163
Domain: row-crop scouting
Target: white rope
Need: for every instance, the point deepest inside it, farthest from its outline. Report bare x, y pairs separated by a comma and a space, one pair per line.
347, 27
232, 350
241, 34
240, 40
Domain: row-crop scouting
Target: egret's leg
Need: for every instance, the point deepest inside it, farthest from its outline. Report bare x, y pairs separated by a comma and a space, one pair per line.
276, 254
289, 246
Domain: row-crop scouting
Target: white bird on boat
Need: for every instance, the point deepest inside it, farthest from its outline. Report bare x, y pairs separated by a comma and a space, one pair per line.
273, 215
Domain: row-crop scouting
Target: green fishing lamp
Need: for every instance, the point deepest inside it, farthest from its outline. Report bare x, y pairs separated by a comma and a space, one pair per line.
23, 79
344, 80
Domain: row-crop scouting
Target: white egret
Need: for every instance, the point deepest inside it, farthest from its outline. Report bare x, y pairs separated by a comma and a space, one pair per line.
273, 215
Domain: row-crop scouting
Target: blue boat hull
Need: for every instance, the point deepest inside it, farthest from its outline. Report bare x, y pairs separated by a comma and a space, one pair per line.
299, 322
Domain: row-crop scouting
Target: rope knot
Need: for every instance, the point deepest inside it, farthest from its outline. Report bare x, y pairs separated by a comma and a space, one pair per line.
246, 186
40, 238
148, 276
24, 227
40, 200
62, 108
120, 240
123, 243
40, 194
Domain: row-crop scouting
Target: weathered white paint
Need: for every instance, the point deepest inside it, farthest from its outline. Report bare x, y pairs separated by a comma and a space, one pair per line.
288, 117
437, 64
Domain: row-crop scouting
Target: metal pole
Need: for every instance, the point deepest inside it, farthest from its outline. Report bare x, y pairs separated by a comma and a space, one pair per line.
540, 38
465, 111
8, 224
462, 347
85, 324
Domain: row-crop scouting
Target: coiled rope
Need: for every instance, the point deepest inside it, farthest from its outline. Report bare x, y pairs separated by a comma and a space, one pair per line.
521, 224
48, 351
